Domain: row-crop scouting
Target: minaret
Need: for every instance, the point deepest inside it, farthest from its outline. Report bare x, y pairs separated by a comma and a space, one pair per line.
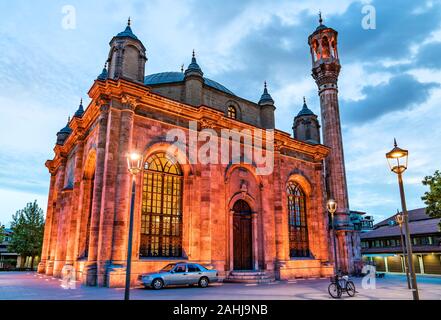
127, 56
325, 71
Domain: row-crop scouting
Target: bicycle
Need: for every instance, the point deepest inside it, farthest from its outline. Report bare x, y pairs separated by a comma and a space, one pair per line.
340, 284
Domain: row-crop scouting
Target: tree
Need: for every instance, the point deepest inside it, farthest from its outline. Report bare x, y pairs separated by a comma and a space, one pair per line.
28, 228
432, 198
2, 232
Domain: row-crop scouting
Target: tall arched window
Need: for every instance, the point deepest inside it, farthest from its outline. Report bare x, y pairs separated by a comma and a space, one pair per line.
298, 229
161, 212
232, 112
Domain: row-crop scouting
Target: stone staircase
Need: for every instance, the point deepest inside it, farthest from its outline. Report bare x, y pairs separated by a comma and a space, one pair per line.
249, 276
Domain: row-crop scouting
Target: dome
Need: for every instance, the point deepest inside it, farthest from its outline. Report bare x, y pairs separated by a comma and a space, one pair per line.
305, 110
176, 77
127, 33
266, 97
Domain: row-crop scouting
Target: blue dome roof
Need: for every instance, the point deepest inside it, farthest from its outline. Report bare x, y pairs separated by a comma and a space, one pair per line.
266, 97
66, 129
173, 77
127, 33
79, 113
194, 67
305, 111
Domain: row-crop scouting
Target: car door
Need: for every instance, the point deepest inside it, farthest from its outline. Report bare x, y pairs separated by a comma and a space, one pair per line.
194, 273
179, 275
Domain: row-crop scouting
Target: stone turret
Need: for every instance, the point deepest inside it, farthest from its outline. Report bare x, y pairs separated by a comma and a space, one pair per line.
306, 126
194, 81
127, 57
267, 108
64, 133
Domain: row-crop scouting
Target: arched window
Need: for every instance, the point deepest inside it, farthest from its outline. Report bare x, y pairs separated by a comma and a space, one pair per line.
232, 112
298, 229
161, 212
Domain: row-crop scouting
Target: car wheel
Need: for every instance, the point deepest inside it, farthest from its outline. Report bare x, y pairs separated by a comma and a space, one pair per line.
157, 284
203, 282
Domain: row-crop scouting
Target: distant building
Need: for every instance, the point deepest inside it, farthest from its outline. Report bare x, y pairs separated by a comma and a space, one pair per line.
8, 259
382, 246
361, 222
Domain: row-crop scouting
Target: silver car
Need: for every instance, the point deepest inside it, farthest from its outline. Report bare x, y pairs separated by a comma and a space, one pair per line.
181, 273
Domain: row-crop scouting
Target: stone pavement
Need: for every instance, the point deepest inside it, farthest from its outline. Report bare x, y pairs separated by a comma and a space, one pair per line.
33, 286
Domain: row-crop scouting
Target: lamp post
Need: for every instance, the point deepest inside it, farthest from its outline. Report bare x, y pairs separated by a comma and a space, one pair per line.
397, 159
332, 207
400, 219
134, 162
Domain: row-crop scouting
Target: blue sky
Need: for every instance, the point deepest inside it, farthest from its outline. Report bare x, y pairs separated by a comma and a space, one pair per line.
389, 84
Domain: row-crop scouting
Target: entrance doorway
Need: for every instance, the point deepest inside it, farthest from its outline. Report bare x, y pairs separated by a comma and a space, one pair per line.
242, 236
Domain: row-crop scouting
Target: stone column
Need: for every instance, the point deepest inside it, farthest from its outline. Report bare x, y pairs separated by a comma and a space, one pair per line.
47, 227
57, 198
122, 194
89, 273
107, 212
75, 217
231, 239
254, 218
278, 207
63, 231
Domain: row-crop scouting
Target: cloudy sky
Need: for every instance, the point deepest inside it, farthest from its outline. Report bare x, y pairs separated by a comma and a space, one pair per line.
389, 84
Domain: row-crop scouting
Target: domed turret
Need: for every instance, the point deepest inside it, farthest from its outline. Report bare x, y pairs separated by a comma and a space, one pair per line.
194, 82
80, 111
267, 108
193, 68
64, 133
306, 126
104, 74
127, 56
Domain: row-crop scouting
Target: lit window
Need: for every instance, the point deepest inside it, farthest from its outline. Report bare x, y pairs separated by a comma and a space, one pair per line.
161, 212
298, 229
232, 113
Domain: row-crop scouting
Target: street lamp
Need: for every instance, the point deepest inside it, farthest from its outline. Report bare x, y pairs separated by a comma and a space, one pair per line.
332, 207
134, 163
397, 159
399, 218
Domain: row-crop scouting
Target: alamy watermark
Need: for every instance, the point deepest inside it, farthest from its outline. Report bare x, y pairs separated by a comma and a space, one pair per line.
208, 147
69, 20
369, 21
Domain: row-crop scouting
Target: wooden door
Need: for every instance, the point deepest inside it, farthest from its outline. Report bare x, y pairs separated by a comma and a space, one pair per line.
242, 237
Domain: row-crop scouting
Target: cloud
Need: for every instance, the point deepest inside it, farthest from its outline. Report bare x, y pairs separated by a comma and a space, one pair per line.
400, 93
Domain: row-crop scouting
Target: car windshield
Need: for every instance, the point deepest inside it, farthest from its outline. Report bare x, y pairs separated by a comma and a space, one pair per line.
168, 267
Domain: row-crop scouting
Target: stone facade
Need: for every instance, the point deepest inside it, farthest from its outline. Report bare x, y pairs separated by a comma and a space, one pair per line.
89, 196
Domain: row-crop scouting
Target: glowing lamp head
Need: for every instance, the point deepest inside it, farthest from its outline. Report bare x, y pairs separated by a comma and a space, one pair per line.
134, 163
397, 159
332, 206
399, 218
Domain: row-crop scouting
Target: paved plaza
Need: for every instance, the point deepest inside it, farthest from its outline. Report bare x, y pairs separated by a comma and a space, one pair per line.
33, 286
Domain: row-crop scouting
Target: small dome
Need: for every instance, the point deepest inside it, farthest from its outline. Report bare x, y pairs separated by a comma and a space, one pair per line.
194, 67
266, 97
104, 74
127, 33
305, 110
66, 129
79, 113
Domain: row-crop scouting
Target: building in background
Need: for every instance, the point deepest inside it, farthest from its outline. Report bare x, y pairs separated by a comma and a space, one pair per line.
223, 215
8, 260
382, 246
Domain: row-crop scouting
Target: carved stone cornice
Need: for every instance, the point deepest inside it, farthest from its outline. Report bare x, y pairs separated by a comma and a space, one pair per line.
129, 102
